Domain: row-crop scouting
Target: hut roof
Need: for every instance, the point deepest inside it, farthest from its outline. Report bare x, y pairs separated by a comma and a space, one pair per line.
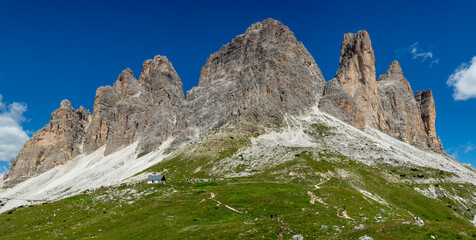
156, 177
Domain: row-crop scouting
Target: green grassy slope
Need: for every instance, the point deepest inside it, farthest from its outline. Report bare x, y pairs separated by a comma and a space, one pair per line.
305, 195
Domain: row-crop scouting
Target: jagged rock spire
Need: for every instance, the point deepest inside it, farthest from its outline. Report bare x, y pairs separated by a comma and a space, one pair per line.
411, 118
387, 104
356, 76
428, 114
402, 113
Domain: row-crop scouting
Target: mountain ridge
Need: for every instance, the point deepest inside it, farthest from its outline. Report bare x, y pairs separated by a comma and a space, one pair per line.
257, 78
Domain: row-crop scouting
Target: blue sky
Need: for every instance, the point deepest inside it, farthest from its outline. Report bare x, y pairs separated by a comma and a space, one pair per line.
54, 50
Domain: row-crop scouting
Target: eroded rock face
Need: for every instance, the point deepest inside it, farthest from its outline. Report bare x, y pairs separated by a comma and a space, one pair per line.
257, 78
53, 145
341, 104
388, 104
145, 109
100, 125
356, 75
428, 114
402, 111
410, 118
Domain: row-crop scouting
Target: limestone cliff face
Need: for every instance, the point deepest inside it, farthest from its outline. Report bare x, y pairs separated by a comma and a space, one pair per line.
341, 104
388, 104
53, 145
402, 111
356, 76
428, 114
411, 118
257, 78
131, 110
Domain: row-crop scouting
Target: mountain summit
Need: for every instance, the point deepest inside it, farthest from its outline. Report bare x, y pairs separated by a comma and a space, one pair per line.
256, 78
356, 97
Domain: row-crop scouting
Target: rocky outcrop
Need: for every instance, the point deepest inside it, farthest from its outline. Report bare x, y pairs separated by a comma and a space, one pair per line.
428, 114
402, 111
356, 76
341, 104
410, 118
257, 78
132, 110
53, 145
388, 104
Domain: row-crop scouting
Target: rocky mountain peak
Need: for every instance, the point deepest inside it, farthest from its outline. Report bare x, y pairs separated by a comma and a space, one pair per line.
158, 68
126, 74
262, 41
159, 78
426, 103
53, 145
402, 113
65, 104
387, 104
394, 72
257, 77
395, 68
133, 110
356, 75
126, 85
356, 63
411, 118
394, 75
267, 23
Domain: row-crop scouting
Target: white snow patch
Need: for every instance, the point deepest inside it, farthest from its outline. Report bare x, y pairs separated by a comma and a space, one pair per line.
82, 173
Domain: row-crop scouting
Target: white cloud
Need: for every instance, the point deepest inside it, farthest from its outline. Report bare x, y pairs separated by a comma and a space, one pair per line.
12, 135
417, 54
3, 170
423, 55
434, 62
461, 150
463, 81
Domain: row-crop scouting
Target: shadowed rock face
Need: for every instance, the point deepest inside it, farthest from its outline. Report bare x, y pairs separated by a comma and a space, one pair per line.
257, 78
341, 104
53, 145
428, 114
402, 111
